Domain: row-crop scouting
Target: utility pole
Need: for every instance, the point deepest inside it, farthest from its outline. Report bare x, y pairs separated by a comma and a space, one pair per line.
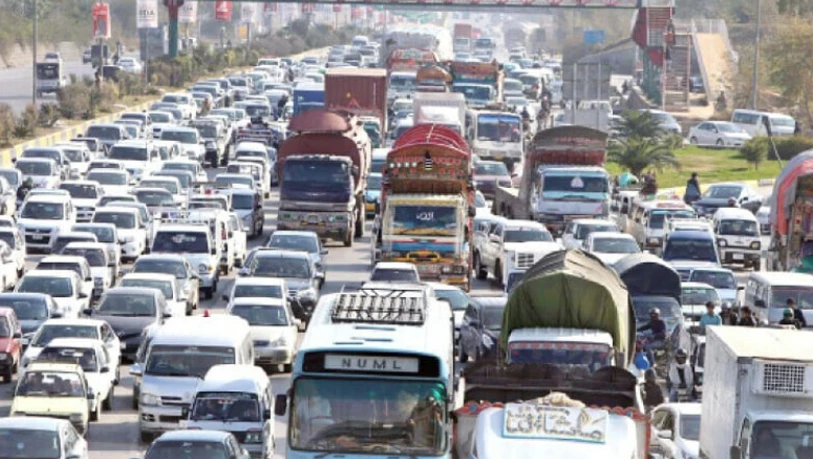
34, 48
755, 82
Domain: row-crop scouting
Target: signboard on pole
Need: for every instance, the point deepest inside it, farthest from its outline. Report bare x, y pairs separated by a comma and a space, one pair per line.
146, 14
248, 13
223, 10
593, 37
101, 20
188, 13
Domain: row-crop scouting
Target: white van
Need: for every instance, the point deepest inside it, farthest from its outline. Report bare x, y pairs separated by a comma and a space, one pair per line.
738, 238
179, 355
751, 121
238, 399
767, 293
196, 243
648, 220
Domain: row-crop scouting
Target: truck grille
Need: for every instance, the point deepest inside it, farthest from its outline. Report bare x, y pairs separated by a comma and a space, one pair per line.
173, 401
525, 260
780, 378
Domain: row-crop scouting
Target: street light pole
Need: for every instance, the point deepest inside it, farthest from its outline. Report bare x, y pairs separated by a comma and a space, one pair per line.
34, 48
755, 82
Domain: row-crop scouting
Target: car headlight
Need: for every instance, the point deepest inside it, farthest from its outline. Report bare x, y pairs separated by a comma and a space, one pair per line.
755, 245
254, 436
150, 399
280, 342
722, 242
204, 268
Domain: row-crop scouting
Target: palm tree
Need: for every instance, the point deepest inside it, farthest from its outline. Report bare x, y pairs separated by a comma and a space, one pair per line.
639, 125
637, 155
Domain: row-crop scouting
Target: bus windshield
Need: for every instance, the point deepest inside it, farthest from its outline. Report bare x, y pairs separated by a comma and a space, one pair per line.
349, 415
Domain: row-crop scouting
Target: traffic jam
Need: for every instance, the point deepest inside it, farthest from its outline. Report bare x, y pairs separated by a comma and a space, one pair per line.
513, 297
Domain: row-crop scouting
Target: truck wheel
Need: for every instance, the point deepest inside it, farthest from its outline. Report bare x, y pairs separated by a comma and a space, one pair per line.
348, 238
479, 269
359, 231
463, 357
498, 273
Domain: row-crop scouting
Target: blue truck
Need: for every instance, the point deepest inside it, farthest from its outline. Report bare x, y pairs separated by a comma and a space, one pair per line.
308, 97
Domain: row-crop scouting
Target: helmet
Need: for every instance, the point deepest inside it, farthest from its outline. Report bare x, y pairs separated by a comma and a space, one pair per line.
681, 353
788, 312
655, 312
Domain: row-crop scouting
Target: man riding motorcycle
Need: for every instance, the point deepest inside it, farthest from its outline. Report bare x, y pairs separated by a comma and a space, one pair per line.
657, 338
680, 377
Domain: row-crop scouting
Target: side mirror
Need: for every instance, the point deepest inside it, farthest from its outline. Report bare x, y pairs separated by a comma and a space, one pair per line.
735, 452
86, 311
740, 288
324, 251
281, 404
135, 369
105, 370
665, 434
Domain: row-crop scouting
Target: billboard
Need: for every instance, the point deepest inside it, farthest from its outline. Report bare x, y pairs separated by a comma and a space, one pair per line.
188, 13
101, 20
223, 10
146, 14
248, 13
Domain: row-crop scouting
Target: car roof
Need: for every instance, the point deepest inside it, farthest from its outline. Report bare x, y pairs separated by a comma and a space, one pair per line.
87, 245
308, 234
74, 342
162, 257
394, 265
132, 291
64, 259
281, 254
50, 273
32, 423
259, 281
696, 285
257, 301
74, 322
194, 435
610, 235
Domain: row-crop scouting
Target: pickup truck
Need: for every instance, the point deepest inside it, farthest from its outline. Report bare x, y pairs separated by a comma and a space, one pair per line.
510, 245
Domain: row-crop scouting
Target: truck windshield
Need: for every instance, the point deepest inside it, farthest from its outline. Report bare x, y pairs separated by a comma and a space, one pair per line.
473, 92
350, 415
403, 81
575, 184
483, 43
771, 439
527, 236
181, 242
183, 361
738, 228
328, 174
803, 296
589, 355
690, 249
226, 406
424, 220
658, 218
48, 71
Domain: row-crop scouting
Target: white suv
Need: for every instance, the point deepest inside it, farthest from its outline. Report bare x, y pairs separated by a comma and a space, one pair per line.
43, 216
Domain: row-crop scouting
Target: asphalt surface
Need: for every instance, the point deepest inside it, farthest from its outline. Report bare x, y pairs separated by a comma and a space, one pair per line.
17, 83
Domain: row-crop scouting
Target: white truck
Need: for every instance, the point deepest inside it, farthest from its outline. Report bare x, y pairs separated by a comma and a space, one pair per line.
496, 136
757, 394
595, 114
509, 246
446, 108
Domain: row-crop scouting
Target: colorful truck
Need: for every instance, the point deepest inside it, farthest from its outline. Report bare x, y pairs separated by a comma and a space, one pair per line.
563, 178
791, 247
462, 38
362, 92
322, 170
567, 335
427, 205
433, 78
480, 82
308, 97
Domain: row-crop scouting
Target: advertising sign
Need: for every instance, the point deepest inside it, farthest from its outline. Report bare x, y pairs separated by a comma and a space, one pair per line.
223, 10
146, 14
101, 20
248, 13
188, 13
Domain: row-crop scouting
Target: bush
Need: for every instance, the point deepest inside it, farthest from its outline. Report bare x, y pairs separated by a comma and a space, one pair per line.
787, 147
131, 84
28, 122
49, 114
74, 100
755, 151
7, 124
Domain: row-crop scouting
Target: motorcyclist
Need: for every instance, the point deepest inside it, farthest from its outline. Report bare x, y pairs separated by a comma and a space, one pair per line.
727, 314
788, 319
24, 188
680, 376
657, 327
747, 319
526, 116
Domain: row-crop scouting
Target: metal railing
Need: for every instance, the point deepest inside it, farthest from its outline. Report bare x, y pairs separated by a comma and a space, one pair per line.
700, 62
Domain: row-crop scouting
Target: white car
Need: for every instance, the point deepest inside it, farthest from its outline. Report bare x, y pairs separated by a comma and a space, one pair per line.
388, 271
610, 247
130, 64
185, 103
167, 284
99, 370
577, 231
103, 268
238, 239
44, 172
194, 167
140, 157
676, 430
85, 196
257, 287
171, 184
91, 329
189, 138
764, 216
112, 181
718, 133
693, 299
273, 329
64, 287
43, 217
27, 433
79, 156
75, 263
8, 267
130, 227
11, 236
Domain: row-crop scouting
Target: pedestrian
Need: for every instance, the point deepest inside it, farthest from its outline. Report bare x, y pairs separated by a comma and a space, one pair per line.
747, 319
692, 192
710, 317
797, 129
797, 313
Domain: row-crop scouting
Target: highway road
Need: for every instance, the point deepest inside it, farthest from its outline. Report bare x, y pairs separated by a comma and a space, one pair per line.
17, 86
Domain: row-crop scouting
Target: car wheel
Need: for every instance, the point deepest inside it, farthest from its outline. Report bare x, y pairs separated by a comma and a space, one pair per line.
94, 416
107, 405
693, 140
287, 368
118, 375
7, 375
719, 142
463, 357
479, 269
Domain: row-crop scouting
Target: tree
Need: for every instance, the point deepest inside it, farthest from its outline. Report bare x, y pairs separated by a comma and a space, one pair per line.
639, 125
755, 151
789, 63
639, 154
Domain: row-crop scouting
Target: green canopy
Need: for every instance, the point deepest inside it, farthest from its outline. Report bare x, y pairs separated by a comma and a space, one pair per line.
572, 289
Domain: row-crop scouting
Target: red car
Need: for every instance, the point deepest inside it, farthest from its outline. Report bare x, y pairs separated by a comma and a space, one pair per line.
10, 345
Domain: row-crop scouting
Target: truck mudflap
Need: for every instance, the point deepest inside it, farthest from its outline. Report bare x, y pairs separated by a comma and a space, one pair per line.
490, 384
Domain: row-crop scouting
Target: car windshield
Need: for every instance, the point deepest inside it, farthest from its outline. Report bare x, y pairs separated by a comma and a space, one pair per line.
160, 285
257, 291
185, 137
60, 266
160, 117
527, 235
690, 427
94, 257
257, 110
57, 287
86, 357
184, 361
411, 414
698, 295
490, 168
261, 315
722, 192
121, 220
291, 242
102, 233
181, 242
717, 279
207, 130
197, 449
185, 179
155, 198
738, 228
575, 184
125, 153
104, 132
226, 406
26, 308
690, 249
231, 180
108, 178
276, 266
43, 211
242, 202
127, 305
35, 168
80, 191
615, 245
457, 298
50, 384
170, 186
175, 268
29, 443
394, 275
658, 218
74, 155
54, 331
584, 230
802, 296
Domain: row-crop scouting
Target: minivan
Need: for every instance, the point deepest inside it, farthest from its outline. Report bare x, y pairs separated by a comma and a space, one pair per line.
687, 250
738, 237
753, 122
767, 294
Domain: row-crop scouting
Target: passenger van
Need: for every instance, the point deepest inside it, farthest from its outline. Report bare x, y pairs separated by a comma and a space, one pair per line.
738, 237
179, 355
688, 250
197, 244
648, 220
752, 122
238, 399
767, 294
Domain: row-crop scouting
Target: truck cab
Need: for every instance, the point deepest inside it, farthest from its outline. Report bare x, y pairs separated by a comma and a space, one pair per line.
496, 136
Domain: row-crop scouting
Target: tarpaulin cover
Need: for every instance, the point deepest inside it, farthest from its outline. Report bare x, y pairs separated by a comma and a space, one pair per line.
784, 189
572, 289
646, 274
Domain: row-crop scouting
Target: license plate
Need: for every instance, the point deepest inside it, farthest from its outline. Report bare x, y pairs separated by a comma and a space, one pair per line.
499, 157
37, 237
313, 219
738, 256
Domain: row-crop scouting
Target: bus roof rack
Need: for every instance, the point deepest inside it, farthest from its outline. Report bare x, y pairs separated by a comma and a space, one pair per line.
401, 307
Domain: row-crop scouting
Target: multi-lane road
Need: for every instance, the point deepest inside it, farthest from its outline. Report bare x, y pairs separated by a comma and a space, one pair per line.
17, 86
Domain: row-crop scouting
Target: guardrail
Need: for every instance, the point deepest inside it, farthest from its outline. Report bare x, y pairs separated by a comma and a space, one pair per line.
700, 62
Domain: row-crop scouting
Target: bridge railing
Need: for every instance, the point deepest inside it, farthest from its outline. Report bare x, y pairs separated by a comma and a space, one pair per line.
700, 62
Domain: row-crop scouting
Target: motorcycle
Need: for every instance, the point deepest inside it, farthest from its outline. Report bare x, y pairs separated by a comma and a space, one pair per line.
658, 350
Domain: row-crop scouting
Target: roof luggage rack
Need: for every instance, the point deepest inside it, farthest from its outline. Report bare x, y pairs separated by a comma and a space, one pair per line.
401, 307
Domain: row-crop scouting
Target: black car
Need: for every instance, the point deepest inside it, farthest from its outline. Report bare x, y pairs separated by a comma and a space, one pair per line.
129, 310
480, 329
727, 195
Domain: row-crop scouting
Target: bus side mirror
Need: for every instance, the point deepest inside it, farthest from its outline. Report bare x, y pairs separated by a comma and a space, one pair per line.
281, 404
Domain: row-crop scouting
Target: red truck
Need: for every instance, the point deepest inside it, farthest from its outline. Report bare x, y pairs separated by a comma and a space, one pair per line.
462, 38
322, 170
362, 92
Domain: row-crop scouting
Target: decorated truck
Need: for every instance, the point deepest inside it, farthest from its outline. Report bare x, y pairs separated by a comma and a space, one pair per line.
322, 170
427, 205
433, 78
563, 178
791, 247
567, 335
480, 82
